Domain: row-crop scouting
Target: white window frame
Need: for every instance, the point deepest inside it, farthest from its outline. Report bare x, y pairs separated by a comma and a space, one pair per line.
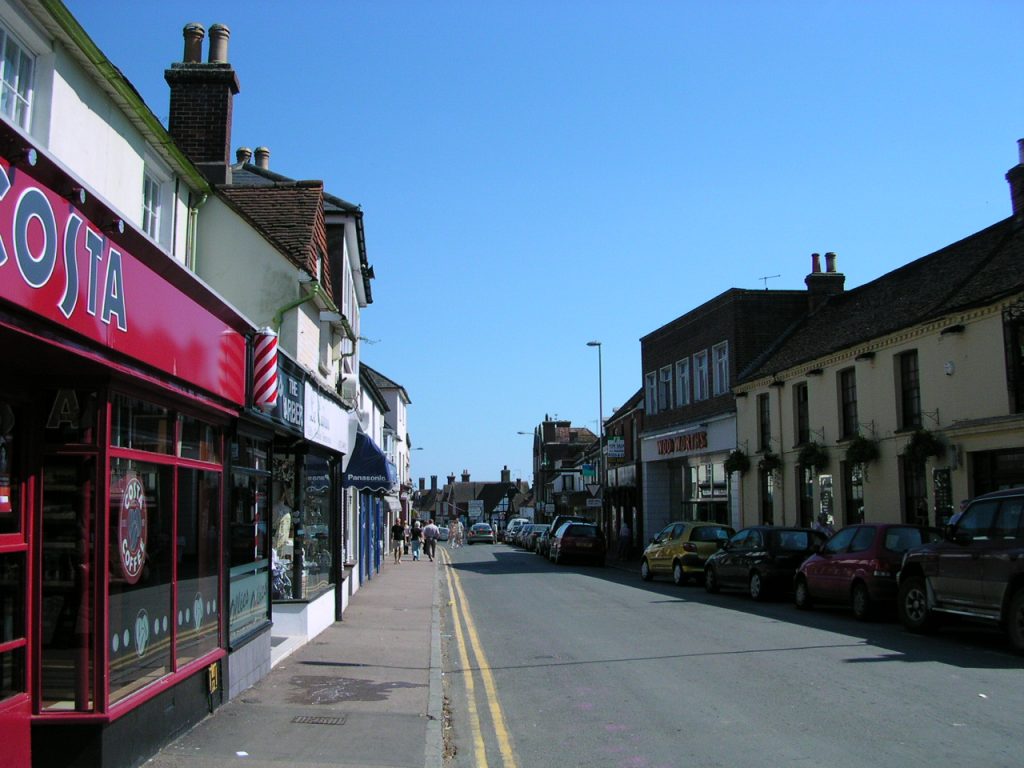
700, 375
15, 92
720, 361
665, 388
158, 227
682, 382
651, 392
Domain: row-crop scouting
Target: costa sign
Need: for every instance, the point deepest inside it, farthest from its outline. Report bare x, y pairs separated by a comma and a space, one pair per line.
694, 441
59, 265
132, 529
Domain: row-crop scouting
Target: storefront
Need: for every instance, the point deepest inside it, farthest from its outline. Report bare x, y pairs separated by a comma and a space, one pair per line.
125, 377
370, 473
684, 475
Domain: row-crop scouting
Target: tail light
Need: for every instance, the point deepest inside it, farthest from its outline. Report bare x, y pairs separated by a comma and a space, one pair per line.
883, 569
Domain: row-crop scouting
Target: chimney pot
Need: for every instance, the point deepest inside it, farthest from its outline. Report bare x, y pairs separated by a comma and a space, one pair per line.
1015, 176
242, 155
263, 158
830, 262
219, 35
193, 34
815, 262
1020, 151
433, 482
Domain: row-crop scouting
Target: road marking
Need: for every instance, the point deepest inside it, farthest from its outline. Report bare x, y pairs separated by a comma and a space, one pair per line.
497, 716
479, 749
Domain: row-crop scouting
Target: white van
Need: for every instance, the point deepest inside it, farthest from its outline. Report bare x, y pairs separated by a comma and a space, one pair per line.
514, 525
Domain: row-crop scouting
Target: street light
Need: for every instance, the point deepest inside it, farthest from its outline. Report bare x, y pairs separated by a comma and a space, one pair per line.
600, 416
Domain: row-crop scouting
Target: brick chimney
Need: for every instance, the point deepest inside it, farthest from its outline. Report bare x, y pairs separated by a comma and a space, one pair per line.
423, 483
822, 285
201, 102
506, 474
1016, 178
451, 479
433, 482
465, 475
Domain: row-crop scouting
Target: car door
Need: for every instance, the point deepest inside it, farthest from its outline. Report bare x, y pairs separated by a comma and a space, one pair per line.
958, 578
727, 562
823, 571
656, 550
673, 547
855, 561
755, 550
1003, 559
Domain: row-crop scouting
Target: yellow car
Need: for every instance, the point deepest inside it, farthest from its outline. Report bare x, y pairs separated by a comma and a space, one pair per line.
680, 549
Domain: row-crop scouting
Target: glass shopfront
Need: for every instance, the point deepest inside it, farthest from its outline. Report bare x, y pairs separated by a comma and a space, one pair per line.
249, 519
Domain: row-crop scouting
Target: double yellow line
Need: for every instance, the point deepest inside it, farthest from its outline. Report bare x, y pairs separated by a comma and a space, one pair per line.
461, 614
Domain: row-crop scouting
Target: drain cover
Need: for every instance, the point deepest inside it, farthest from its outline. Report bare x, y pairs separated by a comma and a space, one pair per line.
310, 720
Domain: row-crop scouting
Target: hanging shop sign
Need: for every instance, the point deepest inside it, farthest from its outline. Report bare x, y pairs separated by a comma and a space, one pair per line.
326, 422
289, 409
58, 264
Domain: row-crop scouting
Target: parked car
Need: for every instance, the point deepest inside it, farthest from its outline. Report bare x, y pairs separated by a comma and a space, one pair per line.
681, 549
521, 534
543, 545
976, 570
761, 559
530, 538
858, 566
480, 533
584, 541
513, 526
443, 533
561, 520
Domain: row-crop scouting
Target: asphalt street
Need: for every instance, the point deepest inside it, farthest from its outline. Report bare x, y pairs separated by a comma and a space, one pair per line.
594, 667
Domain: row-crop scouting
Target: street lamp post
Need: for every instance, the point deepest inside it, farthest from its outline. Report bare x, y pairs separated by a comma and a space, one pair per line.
600, 416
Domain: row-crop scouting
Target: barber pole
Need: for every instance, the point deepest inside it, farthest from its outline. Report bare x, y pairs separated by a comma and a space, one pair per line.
265, 370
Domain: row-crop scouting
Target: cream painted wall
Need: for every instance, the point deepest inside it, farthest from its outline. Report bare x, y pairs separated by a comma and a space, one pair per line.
952, 404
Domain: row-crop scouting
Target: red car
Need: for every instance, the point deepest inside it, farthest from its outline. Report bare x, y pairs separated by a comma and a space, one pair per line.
858, 566
583, 541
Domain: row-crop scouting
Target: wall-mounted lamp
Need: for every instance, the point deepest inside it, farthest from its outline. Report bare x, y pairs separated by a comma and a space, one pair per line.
76, 195
25, 156
114, 226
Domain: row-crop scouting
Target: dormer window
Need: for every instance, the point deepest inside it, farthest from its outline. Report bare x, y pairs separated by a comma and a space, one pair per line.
16, 67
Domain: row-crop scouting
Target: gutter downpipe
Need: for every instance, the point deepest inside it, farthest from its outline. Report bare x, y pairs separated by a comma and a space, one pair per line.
316, 291
191, 245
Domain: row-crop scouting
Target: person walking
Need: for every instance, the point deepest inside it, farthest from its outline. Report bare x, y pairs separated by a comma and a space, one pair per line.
397, 539
625, 539
454, 534
415, 539
430, 536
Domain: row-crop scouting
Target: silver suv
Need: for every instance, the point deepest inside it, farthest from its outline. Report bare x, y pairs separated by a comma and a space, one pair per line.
977, 570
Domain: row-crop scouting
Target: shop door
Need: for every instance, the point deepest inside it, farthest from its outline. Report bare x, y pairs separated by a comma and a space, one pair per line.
15, 698
66, 602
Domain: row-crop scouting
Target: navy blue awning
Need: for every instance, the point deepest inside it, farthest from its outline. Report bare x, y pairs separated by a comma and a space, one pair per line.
369, 469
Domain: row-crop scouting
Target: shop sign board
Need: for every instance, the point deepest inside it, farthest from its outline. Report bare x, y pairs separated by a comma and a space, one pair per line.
326, 422
58, 264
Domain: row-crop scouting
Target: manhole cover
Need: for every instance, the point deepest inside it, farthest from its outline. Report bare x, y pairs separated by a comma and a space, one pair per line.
310, 720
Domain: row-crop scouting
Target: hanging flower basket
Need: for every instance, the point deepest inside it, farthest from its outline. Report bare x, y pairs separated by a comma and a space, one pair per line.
770, 462
862, 450
737, 461
813, 455
923, 445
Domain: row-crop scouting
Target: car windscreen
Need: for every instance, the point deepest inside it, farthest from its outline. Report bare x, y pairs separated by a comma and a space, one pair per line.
900, 539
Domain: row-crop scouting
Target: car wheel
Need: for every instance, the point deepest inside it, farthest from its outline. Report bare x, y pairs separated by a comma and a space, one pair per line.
802, 595
860, 601
912, 605
1015, 621
757, 590
645, 570
679, 576
711, 580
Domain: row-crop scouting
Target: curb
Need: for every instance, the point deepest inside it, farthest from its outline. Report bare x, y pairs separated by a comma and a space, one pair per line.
434, 748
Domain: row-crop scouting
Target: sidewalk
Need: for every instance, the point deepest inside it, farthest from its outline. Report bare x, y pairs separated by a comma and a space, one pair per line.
364, 693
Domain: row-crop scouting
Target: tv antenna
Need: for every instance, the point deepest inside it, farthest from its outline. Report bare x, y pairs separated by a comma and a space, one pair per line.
766, 278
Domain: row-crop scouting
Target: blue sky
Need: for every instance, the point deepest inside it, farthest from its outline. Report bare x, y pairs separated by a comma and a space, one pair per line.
537, 174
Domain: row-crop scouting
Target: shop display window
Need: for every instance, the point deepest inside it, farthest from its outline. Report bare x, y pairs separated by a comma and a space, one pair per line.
12, 624
198, 611
315, 532
249, 518
199, 440
10, 502
301, 533
142, 550
141, 426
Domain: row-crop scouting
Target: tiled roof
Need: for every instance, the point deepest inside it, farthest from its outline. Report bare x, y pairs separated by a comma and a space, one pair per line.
975, 271
291, 216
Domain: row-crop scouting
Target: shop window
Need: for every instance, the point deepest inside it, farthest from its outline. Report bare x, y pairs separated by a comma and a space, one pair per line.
198, 606
10, 483
915, 501
316, 544
141, 426
71, 417
12, 624
199, 440
67, 597
16, 66
249, 520
142, 545
853, 489
766, 483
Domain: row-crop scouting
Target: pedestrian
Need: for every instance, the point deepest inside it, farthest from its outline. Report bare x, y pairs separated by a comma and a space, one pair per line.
430, 536
415, 538
405, 539
455, 534
625, 539
397, 539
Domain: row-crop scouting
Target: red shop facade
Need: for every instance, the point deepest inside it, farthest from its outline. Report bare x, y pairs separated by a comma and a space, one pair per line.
121, 378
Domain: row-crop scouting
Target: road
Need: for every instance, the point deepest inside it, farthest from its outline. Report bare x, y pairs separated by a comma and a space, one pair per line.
581, 666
